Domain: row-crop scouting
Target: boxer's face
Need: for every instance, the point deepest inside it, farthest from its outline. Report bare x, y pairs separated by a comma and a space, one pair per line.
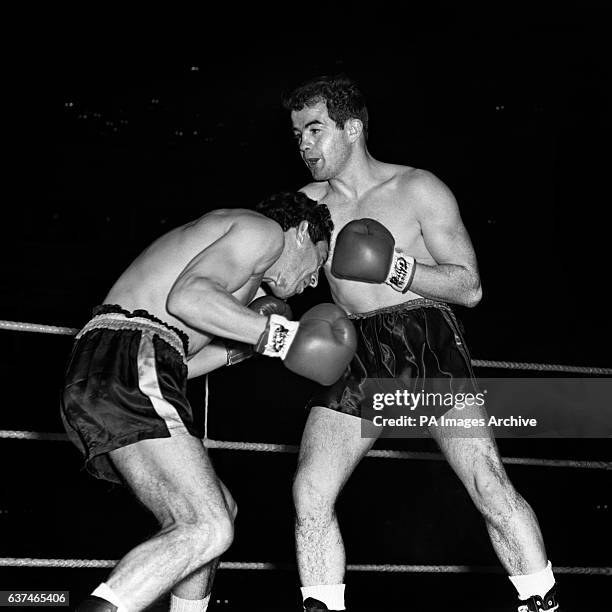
299, 265
324, 148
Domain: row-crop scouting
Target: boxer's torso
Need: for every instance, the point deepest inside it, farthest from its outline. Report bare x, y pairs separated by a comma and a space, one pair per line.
391, 201
146, 283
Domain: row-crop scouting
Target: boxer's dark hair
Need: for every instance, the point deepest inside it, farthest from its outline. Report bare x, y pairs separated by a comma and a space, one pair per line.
290, 208
340, 93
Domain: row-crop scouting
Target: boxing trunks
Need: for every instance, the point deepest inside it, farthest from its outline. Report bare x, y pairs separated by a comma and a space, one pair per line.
126, 381
418, 343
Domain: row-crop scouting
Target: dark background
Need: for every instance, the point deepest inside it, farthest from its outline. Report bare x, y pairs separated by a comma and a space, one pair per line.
116, 131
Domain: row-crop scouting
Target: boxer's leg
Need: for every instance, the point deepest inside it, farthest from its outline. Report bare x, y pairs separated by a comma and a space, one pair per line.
173, 478
331, 448
512, 525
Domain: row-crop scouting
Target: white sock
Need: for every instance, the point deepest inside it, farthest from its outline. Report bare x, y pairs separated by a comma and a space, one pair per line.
332, 595
105, 592
534, 584
188, 605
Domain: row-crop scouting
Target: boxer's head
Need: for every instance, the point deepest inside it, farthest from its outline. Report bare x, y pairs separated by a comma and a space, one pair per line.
330, 122
307, 227
341, 95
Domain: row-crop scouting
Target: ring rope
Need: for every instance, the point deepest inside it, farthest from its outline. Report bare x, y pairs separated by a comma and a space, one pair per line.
540, 367
478, 363
422, 455
248, 565
285, 448
8, 434
37, 328
289, 448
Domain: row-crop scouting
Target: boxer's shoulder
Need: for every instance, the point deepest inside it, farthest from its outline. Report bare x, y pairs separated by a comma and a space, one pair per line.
421, 184
317, 190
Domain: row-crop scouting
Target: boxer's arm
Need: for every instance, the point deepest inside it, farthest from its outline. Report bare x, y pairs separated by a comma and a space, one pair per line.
202, 294
455, 276
221, 351
211, 357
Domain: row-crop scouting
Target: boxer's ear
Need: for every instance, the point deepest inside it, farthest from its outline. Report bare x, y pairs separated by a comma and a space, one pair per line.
302, 232
354, 128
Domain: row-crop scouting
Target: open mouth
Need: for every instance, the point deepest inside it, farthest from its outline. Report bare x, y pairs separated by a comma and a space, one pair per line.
311, 162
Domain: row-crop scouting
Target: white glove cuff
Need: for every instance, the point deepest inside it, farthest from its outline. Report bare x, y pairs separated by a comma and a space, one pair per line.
281, 333
401, 272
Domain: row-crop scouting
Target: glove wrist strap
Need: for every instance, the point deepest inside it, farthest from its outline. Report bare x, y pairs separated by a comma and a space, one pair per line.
401, 272
237, 351
277, 337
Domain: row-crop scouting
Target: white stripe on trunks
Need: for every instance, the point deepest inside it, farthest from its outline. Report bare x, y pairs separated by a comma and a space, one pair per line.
149, 384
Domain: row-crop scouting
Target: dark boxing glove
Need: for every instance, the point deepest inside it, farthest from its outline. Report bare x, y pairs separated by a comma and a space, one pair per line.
95, 604
365, 251
319, 346
267, 305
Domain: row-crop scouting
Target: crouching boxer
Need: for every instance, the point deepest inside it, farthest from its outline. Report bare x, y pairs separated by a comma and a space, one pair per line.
124, 403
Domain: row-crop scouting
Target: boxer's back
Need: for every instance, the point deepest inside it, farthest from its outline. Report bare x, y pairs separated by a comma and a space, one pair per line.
147, 281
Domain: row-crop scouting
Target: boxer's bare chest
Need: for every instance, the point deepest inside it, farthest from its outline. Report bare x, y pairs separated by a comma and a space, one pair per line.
386, 204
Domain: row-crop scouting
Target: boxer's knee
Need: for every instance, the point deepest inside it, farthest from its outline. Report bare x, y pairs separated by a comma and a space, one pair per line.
311, 496
221, 530
202, 535
491, 490
230, 503
210, 536
232, 506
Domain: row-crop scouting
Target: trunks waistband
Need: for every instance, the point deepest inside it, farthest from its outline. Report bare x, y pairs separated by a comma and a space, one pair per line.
114, 317
411, 305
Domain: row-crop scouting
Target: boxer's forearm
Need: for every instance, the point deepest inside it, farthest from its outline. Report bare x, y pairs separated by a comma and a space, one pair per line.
211, 357
447, 282
206, 306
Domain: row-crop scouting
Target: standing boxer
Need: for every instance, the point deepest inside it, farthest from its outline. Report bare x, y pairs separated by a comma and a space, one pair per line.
403, 254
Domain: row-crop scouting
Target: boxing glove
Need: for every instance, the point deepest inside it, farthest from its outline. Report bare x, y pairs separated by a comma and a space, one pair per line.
319, 346
266, 305
365, 251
